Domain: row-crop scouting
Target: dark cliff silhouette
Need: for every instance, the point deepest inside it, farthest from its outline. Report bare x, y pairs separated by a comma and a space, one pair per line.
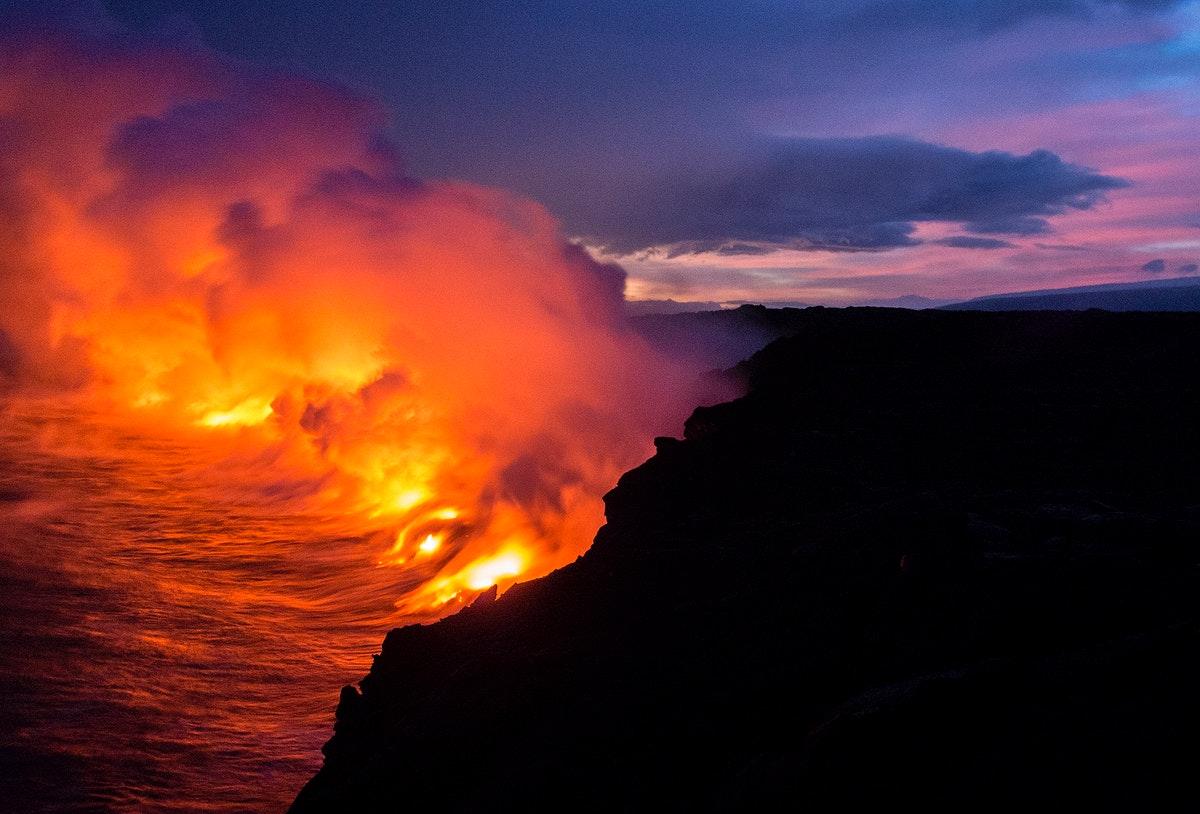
931, 558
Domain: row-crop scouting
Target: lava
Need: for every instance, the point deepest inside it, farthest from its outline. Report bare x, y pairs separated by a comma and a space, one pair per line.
195, 249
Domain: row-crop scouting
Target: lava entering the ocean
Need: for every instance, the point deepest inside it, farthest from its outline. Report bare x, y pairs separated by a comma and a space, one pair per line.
193, 248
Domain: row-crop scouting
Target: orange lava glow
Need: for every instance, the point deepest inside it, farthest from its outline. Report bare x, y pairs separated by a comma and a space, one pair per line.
194, 250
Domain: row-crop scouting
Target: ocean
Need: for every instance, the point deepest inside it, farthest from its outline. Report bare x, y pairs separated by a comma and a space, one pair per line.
168, 643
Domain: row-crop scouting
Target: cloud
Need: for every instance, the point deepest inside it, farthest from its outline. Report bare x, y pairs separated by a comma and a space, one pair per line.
557, 101
743, 249
1155, 266
851, 194
1188, 268
1023, 225
969, 242
1060, 247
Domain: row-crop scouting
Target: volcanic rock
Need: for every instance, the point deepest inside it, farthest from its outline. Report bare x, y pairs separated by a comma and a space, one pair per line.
930, 559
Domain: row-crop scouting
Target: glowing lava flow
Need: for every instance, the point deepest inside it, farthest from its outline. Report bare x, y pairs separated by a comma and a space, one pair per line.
189, 247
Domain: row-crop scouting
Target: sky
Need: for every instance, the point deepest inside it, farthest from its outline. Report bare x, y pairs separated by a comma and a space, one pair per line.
823, 152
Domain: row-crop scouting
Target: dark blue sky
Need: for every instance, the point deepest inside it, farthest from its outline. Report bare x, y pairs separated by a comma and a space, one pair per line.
777, 149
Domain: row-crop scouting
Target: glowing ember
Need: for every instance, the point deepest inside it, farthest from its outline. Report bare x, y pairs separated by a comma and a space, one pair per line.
407, 499
489, 572
250, 412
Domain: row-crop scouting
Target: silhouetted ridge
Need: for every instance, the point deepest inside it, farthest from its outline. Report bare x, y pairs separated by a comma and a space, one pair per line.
933, 557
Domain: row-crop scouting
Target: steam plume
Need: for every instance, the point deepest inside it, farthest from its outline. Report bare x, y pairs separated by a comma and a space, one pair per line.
192, 246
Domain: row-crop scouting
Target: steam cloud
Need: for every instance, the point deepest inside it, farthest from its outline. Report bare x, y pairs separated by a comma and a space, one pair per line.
189, 244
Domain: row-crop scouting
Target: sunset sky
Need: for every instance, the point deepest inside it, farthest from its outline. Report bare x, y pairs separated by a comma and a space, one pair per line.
319, 320
826, 152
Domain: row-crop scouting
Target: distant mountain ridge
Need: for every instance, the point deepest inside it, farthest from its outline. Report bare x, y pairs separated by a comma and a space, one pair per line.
1172, 294
720, 338
912, 302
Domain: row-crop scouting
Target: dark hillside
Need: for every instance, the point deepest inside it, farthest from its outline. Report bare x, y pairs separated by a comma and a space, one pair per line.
939, 557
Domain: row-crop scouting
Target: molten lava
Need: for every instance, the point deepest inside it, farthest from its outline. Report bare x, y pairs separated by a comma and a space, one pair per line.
195, 250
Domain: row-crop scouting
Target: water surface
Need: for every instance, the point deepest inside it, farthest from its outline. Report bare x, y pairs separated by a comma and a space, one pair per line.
168, 643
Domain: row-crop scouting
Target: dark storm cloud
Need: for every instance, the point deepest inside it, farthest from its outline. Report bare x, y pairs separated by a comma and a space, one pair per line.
1155, 266
852, 238
969, 242
862, 194
1023, 225
742, 249
1188, 268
